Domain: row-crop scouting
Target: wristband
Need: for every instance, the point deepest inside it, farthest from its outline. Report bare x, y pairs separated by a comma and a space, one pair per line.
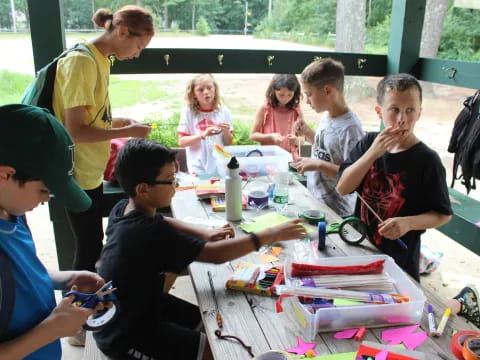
255, 240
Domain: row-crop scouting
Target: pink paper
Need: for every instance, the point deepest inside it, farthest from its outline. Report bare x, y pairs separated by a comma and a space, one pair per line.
414, 340
302, 347
382, 355
398, 319
345, 334
399, 333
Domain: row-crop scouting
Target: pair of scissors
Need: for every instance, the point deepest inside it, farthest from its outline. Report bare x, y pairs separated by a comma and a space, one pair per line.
91, 300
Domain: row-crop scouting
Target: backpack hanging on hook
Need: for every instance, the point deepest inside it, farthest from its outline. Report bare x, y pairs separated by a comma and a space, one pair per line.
465, 143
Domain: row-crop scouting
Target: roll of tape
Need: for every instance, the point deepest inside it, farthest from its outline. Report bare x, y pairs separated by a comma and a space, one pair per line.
471, 348
322, 234
97, 321
313, 217
274, 355
458, 340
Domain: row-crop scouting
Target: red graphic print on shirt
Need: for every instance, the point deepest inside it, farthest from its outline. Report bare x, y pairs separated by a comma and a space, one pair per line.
383, 192
205, 123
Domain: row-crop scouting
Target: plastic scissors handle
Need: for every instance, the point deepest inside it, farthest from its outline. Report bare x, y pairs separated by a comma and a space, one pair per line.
400, 298
84, 300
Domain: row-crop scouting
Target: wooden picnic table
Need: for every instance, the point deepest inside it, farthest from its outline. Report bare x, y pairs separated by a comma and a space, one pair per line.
252, 317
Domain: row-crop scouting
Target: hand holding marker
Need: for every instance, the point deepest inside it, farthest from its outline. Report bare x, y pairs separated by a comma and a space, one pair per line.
399, 241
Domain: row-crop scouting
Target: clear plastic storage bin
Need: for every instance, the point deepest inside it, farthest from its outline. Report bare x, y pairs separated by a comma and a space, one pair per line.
298, 317
273, 158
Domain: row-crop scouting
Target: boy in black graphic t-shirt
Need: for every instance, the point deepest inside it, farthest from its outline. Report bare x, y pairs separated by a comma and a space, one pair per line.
399, 176
142, 245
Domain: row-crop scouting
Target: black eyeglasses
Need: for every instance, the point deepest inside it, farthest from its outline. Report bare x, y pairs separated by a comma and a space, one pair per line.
174, 182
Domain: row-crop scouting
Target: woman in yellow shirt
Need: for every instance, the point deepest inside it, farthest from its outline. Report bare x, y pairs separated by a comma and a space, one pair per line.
81, 102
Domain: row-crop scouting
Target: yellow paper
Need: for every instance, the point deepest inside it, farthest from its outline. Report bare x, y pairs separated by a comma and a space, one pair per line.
346, 302
266, 258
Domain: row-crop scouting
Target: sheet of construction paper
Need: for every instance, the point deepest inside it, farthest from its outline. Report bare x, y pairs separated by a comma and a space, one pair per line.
411, 341
394, 334
276, 250
302, 347
345, 334
342, 356
266, 258
382, 355
346, 302
265, 221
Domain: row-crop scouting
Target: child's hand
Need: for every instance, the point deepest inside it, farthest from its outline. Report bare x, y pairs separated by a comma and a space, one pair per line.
299, 125
211, 131
386, 140
394, 228
277, 139
67, 319
224, 126
289, 230
225, 232
306, 164
292, 140
85, 281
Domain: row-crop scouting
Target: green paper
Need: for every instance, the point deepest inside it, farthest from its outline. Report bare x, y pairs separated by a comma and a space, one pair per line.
346, 302
265, 221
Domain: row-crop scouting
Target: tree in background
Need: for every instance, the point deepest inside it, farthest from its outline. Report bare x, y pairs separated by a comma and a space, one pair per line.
435, 13
350, 28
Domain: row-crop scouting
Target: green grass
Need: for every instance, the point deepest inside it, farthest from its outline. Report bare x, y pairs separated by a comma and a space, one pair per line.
130, 92
13, 86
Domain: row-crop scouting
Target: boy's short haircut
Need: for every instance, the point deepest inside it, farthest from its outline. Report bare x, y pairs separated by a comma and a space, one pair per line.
323, 72
139, 161
399, 82
37, 146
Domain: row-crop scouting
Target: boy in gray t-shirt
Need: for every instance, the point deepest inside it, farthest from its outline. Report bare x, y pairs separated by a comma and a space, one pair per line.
336, 134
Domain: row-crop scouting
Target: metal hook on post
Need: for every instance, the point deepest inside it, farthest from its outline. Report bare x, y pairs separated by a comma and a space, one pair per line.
220, 59
270, 60
361, 62
316, 58
452, 71
166, 57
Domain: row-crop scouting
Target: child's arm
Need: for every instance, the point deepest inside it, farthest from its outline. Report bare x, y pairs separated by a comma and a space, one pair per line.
81, 132
396, 227
256, 133
354, 174
218, 252
65, 320
205, 234
226, 133
310, 164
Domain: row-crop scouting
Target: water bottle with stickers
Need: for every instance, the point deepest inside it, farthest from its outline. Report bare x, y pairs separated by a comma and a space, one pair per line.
280, 192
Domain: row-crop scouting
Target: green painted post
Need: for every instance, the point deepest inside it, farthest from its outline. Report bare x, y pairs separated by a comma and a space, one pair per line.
47, 32
405, 35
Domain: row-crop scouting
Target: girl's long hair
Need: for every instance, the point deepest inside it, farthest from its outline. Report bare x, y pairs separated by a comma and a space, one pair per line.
280, 81
192, 102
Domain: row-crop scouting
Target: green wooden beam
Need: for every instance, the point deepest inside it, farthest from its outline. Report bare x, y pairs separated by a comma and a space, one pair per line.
243, 61
450, 72
405, 35
47, 32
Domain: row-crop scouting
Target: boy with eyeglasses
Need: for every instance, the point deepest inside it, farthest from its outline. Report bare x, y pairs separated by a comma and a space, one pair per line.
142, 245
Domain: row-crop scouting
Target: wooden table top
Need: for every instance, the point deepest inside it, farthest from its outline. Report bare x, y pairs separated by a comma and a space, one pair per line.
252, 318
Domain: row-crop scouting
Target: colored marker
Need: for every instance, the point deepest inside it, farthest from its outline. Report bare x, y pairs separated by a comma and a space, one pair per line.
431, 321
443, 322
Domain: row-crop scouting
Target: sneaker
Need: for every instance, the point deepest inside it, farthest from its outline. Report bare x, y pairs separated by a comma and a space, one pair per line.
469, 298
78, 339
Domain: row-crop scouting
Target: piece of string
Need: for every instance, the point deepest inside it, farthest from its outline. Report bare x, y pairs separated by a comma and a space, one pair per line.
218, 333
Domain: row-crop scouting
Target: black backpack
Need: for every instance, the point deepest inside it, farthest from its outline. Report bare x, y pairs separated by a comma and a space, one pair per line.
40, 91
7, 293
465, 143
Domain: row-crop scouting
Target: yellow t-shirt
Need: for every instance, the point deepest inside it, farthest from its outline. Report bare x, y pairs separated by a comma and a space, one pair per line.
81, 81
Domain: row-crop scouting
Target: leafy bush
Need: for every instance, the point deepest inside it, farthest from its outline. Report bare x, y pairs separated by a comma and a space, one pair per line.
241, 133
202, 27
164, 131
